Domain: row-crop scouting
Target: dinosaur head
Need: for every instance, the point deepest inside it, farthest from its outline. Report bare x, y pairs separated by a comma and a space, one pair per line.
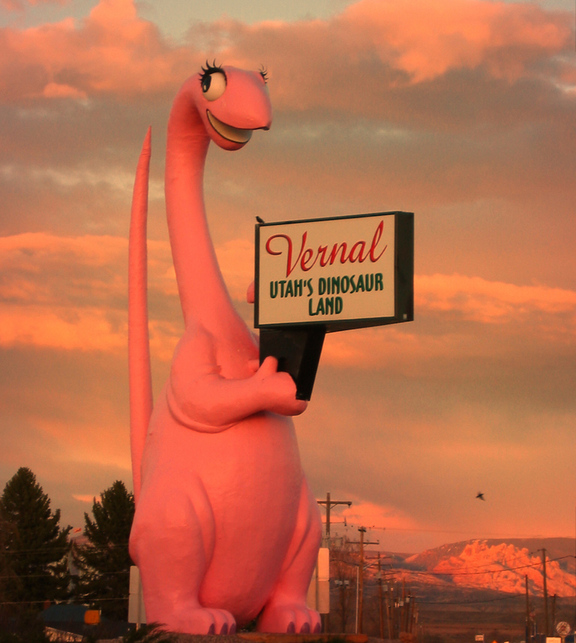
232, 104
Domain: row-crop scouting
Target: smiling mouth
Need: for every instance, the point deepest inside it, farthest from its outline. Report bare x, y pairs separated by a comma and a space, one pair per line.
233, 134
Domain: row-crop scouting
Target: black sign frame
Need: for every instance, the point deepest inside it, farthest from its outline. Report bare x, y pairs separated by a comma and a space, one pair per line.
403, 276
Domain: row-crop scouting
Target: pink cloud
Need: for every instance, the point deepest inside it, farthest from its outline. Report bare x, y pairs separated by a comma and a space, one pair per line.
20, 5
358, 61
426, 40
59, 90
314, 63
57, 327
548, 314
45, 304
111, 51
83, 498
479, 317
376, 516
112, 446
493, 302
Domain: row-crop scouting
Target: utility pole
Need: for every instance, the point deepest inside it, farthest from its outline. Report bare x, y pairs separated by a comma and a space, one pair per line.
360, 578
362, 531
326, 542
528, 628
391, 601
409, 613
546, 619
381, 598
403, 607
329, 505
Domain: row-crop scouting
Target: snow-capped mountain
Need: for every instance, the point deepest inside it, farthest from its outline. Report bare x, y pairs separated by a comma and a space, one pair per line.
502, 566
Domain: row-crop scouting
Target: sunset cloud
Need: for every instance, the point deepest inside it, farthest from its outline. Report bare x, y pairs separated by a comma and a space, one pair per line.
372, 516
517, 311
83, 498
493, 302
461, 111
112, 51
20, 5
427, 39
43, 306
371, 59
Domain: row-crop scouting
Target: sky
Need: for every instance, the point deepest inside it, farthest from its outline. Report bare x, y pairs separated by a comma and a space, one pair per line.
460, 111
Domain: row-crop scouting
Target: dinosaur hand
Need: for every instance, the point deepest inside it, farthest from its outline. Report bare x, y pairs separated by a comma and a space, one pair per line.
278, 389
251, 293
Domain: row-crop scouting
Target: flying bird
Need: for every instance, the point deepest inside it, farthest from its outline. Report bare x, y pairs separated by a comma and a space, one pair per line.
480, 496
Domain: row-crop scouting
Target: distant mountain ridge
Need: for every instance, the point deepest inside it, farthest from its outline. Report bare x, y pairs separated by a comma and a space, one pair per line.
494, 565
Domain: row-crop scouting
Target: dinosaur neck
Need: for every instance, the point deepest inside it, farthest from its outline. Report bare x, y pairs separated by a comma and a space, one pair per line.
203, 294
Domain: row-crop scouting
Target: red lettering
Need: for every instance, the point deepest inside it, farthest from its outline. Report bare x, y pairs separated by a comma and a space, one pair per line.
375, 242
308, 257
322, 255
359, 247
305, 263
289, 265
334, 253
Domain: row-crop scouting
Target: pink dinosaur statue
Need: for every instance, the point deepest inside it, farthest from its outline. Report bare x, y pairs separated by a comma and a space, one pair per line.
226, 529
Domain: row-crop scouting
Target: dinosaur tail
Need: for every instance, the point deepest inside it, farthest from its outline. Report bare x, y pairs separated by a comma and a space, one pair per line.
138, 335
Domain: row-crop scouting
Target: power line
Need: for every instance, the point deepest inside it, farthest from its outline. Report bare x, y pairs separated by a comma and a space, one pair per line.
472, 602
489, 536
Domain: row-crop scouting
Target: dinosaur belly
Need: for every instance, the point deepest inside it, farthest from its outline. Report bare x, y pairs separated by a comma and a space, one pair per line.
251, 477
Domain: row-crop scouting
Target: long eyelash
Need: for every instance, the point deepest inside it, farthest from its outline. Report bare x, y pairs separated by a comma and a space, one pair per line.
209, 69
264, 73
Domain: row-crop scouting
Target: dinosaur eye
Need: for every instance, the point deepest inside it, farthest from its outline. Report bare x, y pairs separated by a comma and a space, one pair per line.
213, 84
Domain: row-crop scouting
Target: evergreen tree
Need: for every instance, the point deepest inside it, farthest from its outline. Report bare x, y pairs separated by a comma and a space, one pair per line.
104, 562
35, 561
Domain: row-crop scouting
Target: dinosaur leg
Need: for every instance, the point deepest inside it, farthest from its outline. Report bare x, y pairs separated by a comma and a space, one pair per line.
286, 610
172, 541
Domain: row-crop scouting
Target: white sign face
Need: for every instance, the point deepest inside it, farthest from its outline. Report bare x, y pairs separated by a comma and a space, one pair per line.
326, 271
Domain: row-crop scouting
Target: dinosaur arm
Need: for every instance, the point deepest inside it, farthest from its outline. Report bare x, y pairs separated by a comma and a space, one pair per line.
200, 398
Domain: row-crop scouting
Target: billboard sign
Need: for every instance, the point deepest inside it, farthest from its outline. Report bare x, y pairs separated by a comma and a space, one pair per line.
340, 273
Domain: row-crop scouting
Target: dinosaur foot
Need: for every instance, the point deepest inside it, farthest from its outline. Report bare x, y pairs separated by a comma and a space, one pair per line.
291, 618
200, 620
